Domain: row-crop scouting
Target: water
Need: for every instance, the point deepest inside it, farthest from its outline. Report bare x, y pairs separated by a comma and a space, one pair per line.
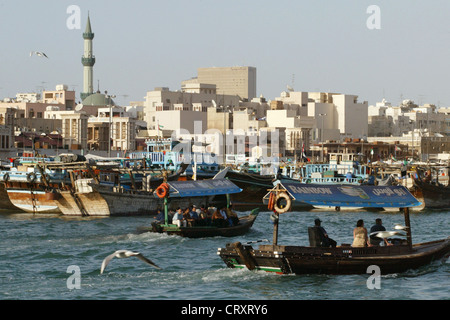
36, 251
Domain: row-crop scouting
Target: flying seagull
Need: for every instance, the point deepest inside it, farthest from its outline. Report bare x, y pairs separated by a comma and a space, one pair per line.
400, 227
386, 234
126, 254
39, 54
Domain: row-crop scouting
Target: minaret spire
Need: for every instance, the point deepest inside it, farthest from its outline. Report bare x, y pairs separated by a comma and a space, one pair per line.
88, 61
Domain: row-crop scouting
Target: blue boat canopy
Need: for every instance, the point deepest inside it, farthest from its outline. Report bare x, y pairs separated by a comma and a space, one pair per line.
198, 188
351, 195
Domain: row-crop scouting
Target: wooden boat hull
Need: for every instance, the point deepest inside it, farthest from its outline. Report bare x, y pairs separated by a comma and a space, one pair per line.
5, 203
110, 203
245, 223
32, 201
340, 260
434, 196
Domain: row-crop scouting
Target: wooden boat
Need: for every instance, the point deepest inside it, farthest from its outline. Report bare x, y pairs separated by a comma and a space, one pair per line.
200, 189
435, 195
254, 187
347, 196
30, 190
90, 198
5, 203
244, 225
344, 259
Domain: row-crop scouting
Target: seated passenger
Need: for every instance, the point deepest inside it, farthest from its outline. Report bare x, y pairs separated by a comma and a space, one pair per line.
160, 217
232, 216
325, 240
218, 219
360, 238
178, 217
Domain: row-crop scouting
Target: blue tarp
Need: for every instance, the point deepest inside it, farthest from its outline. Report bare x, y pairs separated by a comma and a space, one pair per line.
352, 196
200, 188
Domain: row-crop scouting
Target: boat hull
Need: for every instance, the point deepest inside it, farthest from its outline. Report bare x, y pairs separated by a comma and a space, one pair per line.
340, 260
245, 223
434, 196
32, 201
103, 201
5, 203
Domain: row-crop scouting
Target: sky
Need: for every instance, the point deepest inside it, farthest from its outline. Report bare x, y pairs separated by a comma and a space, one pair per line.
309, 45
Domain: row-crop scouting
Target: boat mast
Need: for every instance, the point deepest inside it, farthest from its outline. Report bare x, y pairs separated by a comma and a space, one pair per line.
408, 227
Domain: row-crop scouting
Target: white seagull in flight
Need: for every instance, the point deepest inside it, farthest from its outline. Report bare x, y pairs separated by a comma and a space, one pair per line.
400, 227
40, 54
126, 254
386, 234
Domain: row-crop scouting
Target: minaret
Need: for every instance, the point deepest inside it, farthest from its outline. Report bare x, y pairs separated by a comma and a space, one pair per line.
88, 61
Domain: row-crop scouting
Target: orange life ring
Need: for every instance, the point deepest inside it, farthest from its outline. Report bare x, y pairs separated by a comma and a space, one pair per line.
271, 203
162, 191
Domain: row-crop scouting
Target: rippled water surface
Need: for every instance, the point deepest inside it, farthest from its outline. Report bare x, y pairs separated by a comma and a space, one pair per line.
36, 252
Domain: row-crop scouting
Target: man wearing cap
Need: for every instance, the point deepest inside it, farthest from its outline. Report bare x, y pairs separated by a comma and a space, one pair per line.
324, 239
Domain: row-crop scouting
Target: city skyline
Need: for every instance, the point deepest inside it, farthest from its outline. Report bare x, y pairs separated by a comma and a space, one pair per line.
321, 46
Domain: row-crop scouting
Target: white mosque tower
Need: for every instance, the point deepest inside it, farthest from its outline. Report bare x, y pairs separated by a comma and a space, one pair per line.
88, 61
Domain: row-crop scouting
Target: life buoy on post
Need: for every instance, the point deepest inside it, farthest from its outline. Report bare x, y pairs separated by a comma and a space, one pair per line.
31, 177
278, 206
271, 203
162, 191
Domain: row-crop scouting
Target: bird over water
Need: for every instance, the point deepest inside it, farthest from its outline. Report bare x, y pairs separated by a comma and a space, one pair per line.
126, 254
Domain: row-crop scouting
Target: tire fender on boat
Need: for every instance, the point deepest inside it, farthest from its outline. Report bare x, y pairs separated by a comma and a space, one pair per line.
6, 177
31, 177
278, 200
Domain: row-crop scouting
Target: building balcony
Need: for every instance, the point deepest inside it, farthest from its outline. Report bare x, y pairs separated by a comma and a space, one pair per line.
88, 62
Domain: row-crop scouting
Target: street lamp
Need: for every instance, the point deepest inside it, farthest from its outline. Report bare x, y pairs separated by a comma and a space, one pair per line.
321, 133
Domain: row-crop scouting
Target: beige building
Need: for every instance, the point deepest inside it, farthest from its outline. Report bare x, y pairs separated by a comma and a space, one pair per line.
7, 128
240, 81
162, 99
74, 130
60, 96
297, 128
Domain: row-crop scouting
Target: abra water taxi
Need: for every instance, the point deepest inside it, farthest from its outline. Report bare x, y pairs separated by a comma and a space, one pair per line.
343, 259
174, 193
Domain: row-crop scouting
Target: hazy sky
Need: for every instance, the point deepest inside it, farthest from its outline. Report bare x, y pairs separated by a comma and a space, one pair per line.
310, 45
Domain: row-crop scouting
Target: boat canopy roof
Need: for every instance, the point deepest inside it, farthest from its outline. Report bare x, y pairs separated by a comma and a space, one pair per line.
352, 196
198, 188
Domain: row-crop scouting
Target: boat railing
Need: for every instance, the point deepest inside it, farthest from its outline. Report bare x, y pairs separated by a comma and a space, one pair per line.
161, 158
335, 180
311, 170
34, 160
